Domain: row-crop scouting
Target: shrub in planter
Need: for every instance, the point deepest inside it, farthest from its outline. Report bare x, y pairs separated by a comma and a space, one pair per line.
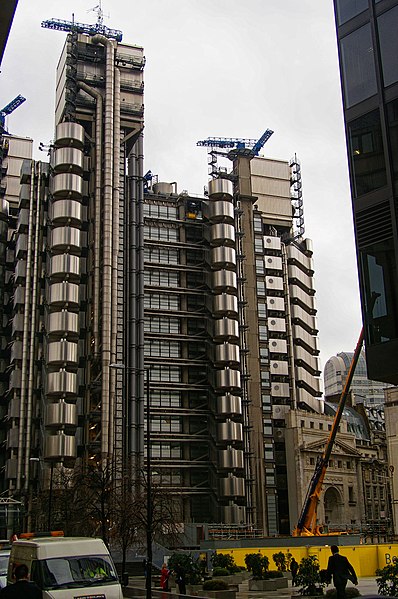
257, 564
215, 585
221, 572
187, 564
224, 560
273, 574
350, 592
280, 561
387, 580
308, 577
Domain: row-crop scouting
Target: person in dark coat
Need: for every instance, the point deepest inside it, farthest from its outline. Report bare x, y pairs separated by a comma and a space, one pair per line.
180, 580
341, 570
22, 588
293, 569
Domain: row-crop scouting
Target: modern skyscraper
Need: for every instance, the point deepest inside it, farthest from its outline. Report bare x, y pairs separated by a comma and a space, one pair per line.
125, 295
335, 374
367, 43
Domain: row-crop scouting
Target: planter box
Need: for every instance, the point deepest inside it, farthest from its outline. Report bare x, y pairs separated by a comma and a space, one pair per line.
272, 584
231, 579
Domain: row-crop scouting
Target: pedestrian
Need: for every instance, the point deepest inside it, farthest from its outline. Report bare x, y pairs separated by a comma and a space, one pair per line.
164, 578
180, 580
340, 568
22, 588
293, 569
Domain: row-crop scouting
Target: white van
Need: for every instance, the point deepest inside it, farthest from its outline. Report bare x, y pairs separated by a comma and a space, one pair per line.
65, 567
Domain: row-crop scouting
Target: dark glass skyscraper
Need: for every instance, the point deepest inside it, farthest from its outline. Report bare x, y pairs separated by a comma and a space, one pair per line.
368, 50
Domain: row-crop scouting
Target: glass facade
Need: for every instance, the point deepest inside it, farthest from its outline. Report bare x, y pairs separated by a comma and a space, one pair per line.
388, 26
379, 273
368, 166
358, 67
347, 9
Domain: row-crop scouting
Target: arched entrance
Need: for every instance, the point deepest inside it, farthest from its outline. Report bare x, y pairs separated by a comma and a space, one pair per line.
332, 506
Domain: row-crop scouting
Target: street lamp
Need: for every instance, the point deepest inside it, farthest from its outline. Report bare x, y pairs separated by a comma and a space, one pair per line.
149, 505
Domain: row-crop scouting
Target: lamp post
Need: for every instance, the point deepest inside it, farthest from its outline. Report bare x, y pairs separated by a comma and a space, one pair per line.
149, 504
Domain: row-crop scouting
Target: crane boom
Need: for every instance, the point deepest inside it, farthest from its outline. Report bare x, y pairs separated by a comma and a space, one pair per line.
61, 25
249, 147
11, 106
307, 525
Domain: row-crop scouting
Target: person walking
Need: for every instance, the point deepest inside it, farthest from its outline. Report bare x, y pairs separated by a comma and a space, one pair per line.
293, 569
341, 570
22, 588
180, 580
164, 578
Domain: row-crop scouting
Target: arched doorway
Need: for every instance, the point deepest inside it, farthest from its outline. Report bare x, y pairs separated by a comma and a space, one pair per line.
332, 505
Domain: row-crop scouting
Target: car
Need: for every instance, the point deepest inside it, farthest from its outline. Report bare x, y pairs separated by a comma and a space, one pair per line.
4, 557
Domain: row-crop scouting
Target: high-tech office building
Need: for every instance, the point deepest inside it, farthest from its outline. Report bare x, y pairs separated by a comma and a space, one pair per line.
367, 44
335, 375
122, 293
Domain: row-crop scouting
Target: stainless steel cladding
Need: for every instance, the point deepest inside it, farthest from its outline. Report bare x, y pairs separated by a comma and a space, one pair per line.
62, 352
63, 293
221, 210
4, 208
221, 188
69, 134
15, 379
17, 324
162, 188
64, 266
230, 432
276, 303
68, 160
226, 329
225, 304
230, 459
61, 414
274, 283
229, 405
66, 185
279, 368
64, 212
225, 280
66, 238
223, 257
272, 243
63, 323
280, 389
60, 446
228, 380
21, 245
19, 296
62, 383
232, 487
277, 325
278, 346
20, 271
227, 354
222, 234
273, 262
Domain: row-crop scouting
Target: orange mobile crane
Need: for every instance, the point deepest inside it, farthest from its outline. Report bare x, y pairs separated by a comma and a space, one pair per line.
307, 525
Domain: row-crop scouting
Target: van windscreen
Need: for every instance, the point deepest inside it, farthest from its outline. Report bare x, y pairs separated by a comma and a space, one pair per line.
73, 572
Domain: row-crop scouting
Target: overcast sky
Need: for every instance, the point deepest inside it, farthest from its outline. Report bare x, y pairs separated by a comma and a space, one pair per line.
221, 68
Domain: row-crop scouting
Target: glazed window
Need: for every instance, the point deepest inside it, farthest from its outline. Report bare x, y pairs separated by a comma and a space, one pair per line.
347, 9
358, 68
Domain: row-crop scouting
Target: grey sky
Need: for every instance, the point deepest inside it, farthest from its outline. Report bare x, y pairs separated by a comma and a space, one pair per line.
221, 68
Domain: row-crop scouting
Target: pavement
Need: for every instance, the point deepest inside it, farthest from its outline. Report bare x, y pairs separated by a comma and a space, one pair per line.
366, 585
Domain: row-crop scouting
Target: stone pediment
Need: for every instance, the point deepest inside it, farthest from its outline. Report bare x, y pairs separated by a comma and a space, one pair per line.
339, 447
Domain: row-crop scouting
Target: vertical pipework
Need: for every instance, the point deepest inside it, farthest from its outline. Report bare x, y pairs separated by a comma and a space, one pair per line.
107, 214
33, 328
97, 216
131, 391
25, 342
115, 253
141, 362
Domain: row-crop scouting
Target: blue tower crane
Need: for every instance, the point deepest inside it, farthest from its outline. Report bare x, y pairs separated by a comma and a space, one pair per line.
238, 146
11, 106
98, 27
